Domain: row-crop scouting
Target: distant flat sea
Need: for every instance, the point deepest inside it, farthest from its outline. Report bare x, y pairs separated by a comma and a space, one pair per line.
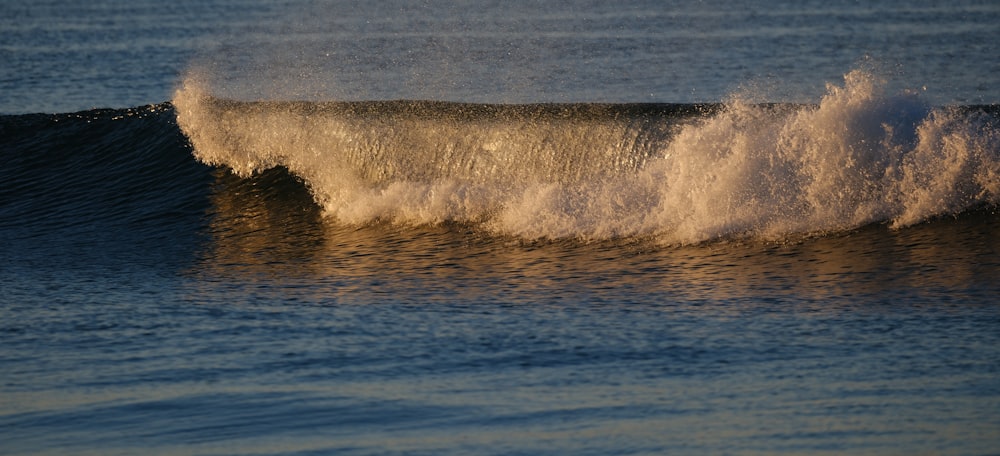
325, 227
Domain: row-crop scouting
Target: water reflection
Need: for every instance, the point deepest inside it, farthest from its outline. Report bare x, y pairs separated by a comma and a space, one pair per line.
263, 221
270, 241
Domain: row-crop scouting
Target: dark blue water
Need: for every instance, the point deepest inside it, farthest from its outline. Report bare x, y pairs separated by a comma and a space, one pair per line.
744, 229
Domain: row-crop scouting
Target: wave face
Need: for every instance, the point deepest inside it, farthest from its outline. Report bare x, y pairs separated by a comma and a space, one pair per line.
677, 173
98, 184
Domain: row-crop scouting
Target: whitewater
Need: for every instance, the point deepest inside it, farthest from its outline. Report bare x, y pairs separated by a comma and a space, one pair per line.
680, 173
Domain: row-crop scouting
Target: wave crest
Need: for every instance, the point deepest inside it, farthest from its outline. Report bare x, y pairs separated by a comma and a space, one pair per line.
682, 174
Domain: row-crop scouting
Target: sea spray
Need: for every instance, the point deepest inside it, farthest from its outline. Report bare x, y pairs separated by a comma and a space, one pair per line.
679, 174
424, 161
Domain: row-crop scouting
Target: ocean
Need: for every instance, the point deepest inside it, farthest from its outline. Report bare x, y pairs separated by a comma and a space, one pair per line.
642, 227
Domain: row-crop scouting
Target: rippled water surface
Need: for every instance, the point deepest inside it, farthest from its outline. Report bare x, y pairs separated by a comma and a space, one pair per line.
212, 276
386, 339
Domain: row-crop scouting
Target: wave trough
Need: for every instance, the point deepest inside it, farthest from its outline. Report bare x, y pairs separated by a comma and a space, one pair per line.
677, 173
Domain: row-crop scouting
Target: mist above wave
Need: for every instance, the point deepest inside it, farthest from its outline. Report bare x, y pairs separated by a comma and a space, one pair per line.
743, 169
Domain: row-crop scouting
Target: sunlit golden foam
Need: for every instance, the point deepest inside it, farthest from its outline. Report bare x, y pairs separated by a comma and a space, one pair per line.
859, 156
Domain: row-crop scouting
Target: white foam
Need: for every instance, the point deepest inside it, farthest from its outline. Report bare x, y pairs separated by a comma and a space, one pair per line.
859, 156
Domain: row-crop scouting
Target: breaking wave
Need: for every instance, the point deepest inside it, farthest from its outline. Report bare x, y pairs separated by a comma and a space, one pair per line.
677, 173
